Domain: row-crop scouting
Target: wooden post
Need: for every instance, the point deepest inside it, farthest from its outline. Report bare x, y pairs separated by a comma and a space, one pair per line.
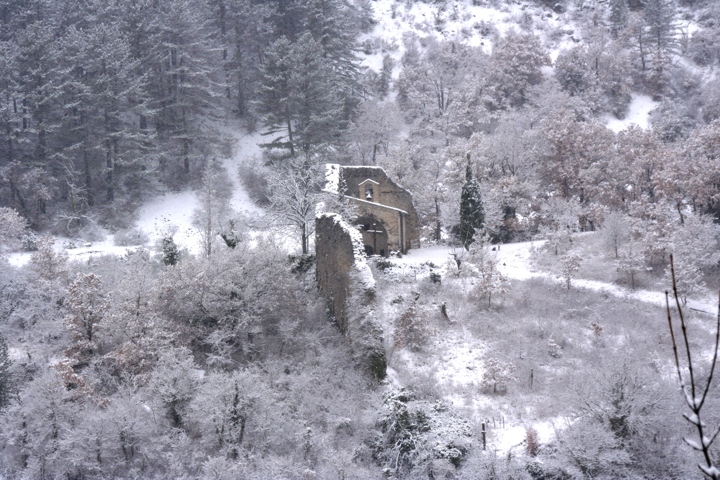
532, 378
483, 434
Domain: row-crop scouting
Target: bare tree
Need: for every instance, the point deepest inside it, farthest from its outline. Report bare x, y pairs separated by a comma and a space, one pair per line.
695, 394
294, 191
214, 204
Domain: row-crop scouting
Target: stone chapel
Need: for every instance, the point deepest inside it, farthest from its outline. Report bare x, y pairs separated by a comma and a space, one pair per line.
386, 217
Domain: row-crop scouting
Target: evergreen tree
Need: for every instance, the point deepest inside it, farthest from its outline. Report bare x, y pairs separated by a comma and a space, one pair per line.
186, 81
662, 30
661, 26
472, 215
99, 134
383, 86
171, 254
299, 97
618, 16
4, 373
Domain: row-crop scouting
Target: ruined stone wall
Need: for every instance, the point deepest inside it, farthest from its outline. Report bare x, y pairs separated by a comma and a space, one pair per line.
346, 282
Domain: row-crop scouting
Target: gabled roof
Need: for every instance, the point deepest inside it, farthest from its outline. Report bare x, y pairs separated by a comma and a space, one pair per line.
369, 180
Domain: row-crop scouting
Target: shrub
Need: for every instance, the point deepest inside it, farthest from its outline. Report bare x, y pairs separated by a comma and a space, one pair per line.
134, 236
383, 264
411, 329
301, 263
30, 242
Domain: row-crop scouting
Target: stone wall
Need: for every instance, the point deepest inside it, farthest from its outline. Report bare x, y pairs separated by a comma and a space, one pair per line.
346, 282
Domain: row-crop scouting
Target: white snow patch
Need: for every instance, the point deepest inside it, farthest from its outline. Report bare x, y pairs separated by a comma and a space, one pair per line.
19, 259
640, 108
172, 214
16, 354
514, 436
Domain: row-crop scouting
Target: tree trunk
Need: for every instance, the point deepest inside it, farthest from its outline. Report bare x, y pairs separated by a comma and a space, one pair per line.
88, 179
289, 129
110, 165
186, 156
438, 224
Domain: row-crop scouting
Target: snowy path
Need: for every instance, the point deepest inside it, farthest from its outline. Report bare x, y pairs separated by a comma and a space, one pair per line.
515, 263
514, 260
247, 146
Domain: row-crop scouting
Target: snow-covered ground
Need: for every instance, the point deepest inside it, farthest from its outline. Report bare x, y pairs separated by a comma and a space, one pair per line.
514, 261
638, 114
170, 213
173, 212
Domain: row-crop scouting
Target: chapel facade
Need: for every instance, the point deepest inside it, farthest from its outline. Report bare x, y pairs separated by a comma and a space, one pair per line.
386, 216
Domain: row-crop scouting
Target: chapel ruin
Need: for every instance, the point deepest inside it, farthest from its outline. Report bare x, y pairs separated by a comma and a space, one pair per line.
386, 216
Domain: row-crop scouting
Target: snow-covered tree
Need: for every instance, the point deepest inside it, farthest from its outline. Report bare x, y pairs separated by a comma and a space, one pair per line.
615, 231
570, 265
516, 64
490, 282
618, 17
373, 131
173, 384
47, 263
572, 71
299, 97
87, 304
631, 262
294, 193
12, 226
170, 253
221, 407
689, 278
497, 374
214, 209
472, 215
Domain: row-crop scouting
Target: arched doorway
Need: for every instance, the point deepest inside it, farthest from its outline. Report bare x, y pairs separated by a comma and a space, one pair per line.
374, 233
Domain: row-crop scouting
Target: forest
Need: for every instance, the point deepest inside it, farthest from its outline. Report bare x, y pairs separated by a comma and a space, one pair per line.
559, 153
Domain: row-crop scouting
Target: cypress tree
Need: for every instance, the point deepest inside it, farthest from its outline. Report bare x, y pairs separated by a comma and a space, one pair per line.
472, 215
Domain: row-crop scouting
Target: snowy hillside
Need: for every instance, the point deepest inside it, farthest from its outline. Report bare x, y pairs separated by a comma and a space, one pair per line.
161, 167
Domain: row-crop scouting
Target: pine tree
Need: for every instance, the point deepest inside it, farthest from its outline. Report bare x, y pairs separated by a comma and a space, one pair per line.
619, 12
186, 81
298, 96
472, 215
385, 76
659, 18
662, 30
